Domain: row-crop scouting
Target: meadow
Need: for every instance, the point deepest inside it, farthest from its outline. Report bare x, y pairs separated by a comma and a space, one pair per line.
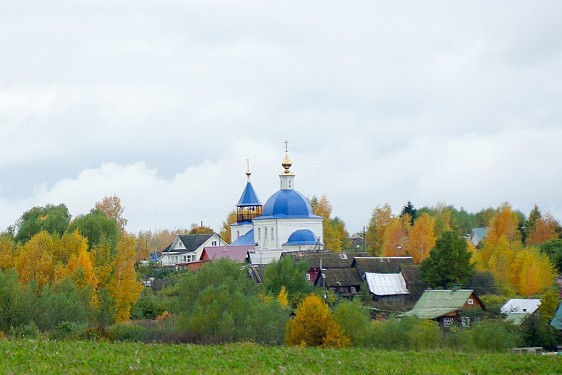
103, 357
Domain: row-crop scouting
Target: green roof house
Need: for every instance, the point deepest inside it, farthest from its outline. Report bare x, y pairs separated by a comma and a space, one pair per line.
448, 307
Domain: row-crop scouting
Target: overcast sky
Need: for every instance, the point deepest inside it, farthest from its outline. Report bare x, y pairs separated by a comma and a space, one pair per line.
161, 103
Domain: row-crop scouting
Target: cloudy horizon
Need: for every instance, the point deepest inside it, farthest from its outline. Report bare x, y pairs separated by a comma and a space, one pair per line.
161, 103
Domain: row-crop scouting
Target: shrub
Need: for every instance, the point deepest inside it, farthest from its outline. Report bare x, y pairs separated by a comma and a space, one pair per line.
494, 336
426, 334
354, 320
67, 331
128, 332
314, 325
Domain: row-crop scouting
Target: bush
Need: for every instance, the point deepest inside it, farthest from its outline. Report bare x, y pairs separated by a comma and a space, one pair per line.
67, 331
354, 320
425, 335
494, 336
128, 332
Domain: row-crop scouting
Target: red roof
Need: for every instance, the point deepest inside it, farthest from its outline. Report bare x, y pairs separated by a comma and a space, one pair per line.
236, 253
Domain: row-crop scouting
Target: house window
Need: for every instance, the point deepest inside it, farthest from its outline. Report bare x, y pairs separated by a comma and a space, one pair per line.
190, 258
447, 322
465, 321
353, 290
214, 243
185, 258
343, 256
308, 276
470, 301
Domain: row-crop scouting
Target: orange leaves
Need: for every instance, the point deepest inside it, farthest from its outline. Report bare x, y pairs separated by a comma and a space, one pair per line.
544, 229
505, 223
532, 272
422, 238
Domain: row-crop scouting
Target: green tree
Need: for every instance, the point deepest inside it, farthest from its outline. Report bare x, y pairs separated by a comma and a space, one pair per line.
50, 218
354, 320
200, 229
553, 249
98, 228
288, 273
448, 263
409, 209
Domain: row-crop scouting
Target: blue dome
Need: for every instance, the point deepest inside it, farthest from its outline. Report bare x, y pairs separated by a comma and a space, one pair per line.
287, 203
302, 237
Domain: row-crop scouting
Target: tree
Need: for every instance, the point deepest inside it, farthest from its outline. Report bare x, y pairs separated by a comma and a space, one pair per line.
35, 262
553, 249
374, 237
289, 274
8, 254
52, 219
506, 223
448, 263
98, 228
225, 230
314, 325
397, 236
335, 235
544, 229
422, 239
111, 207
124, 287
532, 272
200, 229
410, 210
354, 320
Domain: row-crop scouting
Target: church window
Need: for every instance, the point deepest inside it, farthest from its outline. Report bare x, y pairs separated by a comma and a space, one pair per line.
265, 233
272, 237
259, 233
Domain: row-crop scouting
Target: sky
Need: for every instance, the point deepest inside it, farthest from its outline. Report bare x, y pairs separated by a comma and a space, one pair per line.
162, 102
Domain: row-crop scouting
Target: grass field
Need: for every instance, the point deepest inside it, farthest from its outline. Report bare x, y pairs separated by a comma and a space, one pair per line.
68, 357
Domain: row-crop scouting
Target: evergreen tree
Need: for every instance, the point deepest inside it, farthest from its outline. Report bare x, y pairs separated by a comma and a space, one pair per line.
409, 209
448, 263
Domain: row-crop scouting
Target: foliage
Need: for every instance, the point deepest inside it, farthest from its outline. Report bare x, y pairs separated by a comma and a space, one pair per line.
537, 332
200, 229
111, 207
422, 238
98, 228
225, 233
483, 283
532, 272
8, 254
375, 234
553, 249
35, 262
334, 234
492, 336
397, 237
543, 230
52, 219
314, 325
448, 263
354, 321
506, 224
124, 287
219, 303
288, 273
17, 301
411, 211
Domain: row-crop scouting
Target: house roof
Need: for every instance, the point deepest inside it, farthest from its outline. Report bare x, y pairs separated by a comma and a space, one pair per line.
345, 277
412, 274
386, 284
520, 305
480, 233
191, 242
329, 259
236, 253
381, 264
436, 303
556, 321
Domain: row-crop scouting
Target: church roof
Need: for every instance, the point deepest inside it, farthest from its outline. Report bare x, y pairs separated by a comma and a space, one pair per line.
249, 197
302, 237
244, 240
287, 204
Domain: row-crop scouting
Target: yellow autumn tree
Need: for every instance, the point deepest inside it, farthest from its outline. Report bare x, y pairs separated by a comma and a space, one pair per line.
505, 223
543, 230
397, 236
124, 287
532, 272
8, 253
443, 219
422, 238
374, 236
35, 261
314, 325
334, 232
225, 229
111, 207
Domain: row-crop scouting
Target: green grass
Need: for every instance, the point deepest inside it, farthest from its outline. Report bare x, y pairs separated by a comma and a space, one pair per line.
68, 357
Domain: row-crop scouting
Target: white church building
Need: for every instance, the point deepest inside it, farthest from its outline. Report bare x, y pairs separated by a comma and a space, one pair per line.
285, 223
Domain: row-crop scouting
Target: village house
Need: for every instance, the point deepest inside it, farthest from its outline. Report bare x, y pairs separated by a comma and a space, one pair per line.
448, 307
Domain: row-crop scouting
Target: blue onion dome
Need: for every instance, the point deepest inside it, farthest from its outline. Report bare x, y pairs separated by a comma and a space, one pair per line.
302, 237
288, 203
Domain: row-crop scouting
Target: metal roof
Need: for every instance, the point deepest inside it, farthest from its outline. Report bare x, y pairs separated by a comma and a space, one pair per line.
386, 284
287, 204
436, 303
245, 240
520, 305
249, 197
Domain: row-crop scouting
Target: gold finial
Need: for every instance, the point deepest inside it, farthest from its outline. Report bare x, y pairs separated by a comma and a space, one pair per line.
248, 173
286, 162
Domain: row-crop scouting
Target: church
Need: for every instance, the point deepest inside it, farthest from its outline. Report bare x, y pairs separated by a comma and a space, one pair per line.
285, 223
